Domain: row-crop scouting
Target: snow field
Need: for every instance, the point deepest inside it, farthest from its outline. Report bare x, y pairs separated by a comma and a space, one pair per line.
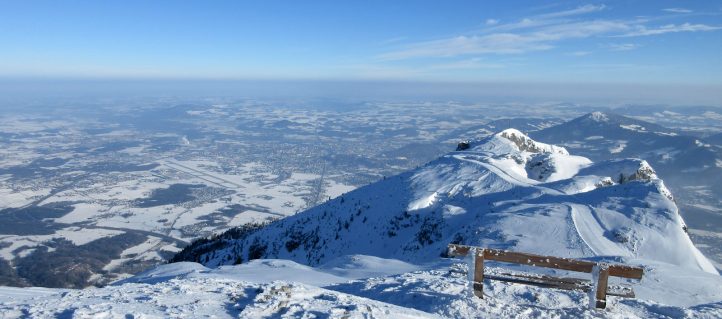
284, 289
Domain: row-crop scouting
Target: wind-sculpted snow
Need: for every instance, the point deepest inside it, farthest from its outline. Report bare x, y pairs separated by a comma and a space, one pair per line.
284, 289
202, 298
506, 191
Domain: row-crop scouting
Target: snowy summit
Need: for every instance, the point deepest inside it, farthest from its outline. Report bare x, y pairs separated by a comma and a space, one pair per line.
598, 117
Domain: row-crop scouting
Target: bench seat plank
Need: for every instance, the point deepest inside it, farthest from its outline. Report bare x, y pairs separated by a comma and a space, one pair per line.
561, 283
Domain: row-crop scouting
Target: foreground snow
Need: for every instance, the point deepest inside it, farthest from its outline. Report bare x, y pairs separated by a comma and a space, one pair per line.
205, 297
432, 290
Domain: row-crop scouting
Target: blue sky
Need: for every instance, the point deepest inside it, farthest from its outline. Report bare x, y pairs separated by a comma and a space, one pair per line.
643, 42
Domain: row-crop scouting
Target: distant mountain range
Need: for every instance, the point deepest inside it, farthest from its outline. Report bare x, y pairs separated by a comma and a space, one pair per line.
690, 166
606, 135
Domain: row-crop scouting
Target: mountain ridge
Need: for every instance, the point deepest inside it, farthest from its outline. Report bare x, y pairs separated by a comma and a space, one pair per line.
493, 194
691, 167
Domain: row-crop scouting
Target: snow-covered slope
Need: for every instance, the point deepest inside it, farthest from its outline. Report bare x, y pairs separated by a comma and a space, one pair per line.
506, 191
375, 252
198, 297
691, 167
284, 289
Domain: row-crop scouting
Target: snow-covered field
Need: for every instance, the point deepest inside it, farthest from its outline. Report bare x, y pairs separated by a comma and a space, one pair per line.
108, 208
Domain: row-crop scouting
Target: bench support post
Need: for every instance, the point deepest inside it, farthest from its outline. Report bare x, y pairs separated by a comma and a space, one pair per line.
602, 283
479, 273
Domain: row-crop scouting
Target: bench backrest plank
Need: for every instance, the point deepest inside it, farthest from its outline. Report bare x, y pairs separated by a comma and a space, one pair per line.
547, 261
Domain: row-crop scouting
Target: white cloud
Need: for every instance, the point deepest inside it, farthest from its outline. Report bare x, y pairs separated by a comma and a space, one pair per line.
582, 29
670, 28
537, 33
548, 18
506, 42
502, 43
577, 11
677, 10
622, 46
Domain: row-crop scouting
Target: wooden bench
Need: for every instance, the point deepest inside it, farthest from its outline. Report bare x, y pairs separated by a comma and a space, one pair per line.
600, 272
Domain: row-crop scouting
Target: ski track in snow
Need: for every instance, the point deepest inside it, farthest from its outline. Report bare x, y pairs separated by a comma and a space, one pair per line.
592, 233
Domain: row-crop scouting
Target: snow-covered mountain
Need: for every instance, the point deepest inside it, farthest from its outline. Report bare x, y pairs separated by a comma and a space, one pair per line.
506, 191
524, 124
376, 251
610, 124
691, 167
603, 135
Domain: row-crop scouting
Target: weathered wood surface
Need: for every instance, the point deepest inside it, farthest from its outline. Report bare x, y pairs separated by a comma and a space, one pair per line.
560, 283
479, 274
545, 283
567, 280
547, 261
600, 271
539, 261
602, 282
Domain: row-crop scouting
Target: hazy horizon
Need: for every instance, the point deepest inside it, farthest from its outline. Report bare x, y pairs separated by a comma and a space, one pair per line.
593, 94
